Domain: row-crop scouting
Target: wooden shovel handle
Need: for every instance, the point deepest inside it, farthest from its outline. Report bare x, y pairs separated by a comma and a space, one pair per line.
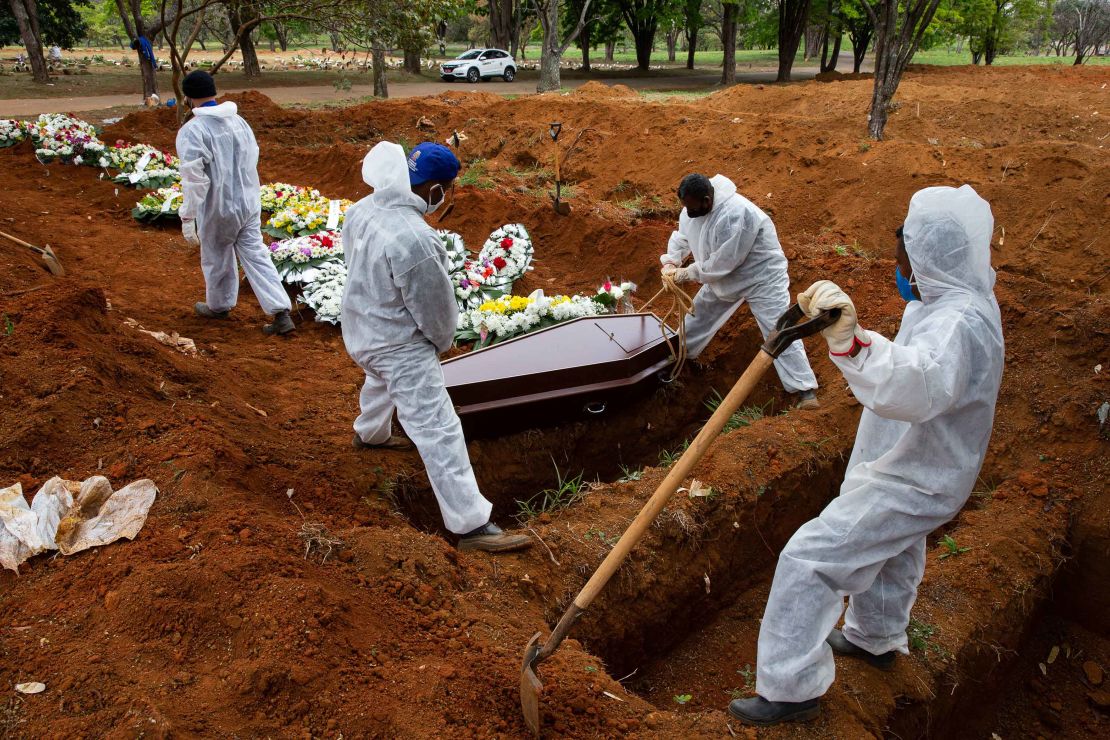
22, 243
678, 473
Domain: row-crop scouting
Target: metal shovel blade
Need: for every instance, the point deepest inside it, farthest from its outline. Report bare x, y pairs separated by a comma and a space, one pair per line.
530, 686
52, 262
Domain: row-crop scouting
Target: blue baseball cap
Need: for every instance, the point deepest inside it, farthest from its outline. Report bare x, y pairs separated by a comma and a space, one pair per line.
430, 161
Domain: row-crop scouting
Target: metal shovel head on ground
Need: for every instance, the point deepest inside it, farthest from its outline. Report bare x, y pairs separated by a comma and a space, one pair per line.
561, 207
788, 329
48, 257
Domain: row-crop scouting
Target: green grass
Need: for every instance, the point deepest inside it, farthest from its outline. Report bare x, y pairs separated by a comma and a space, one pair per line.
667, 458
567, 491
951, 548
630, 474
945, 57
742, 418
475, 174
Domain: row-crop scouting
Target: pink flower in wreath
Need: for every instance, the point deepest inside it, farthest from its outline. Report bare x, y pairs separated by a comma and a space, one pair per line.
608, 287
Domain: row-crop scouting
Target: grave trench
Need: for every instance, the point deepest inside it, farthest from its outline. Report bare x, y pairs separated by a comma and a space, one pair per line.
630, 436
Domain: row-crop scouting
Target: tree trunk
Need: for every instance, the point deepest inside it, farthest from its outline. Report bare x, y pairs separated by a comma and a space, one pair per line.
412, 61
335, 40
728, 44
813, 37
830, 65
381, 87
672, 43
586, 58
792, 26
611, 48
26, 18
896, 40
644, 38
518, 22
691, 47
150, 78
550, 77
282, 36
551, 52
501, 23
251, 67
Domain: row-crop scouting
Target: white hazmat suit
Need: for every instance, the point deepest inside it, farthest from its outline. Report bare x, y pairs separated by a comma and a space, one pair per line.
929, 399
737, 258
219, 182
399, 312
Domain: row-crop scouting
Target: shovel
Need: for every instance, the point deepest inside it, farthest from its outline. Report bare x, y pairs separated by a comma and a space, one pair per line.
561, 208
787, 330
47, 254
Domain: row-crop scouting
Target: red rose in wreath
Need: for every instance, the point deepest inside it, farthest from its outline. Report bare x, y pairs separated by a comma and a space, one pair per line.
499, 263
506, 243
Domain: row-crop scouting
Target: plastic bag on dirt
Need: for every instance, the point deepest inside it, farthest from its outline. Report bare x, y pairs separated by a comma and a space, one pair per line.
70, 517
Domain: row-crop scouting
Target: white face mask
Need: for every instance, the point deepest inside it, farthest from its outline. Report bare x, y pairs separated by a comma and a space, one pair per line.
430, 207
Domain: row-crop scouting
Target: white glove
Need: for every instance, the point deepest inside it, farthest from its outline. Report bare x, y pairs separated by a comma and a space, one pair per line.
189, 231
682, 275
669, 268
845, 334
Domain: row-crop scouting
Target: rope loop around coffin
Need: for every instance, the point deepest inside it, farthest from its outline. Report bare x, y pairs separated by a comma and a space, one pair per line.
682, 305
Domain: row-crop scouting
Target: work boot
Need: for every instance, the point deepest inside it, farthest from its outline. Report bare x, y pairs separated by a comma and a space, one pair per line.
807, 401
394, 442
204, 311
759, 712
282, 324
841, 646
490, 538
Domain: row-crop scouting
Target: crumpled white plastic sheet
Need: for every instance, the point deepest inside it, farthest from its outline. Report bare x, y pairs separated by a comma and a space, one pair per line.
70, 517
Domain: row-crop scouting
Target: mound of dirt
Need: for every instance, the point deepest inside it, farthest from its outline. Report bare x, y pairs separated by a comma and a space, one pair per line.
835, 76
594, 90
286, 584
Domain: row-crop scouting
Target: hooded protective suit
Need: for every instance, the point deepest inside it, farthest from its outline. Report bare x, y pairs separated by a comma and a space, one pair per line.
737, 257
398, 313
929, 399
219, 182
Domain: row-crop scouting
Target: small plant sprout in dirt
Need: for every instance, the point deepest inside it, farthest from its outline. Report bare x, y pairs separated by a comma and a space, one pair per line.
629, 475
747, 674
742, 418
683, 699
315, 536
607, 539
920, 636
951, 549
567, 492
667, 458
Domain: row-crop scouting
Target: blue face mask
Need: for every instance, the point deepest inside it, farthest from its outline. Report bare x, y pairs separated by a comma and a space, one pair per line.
905, 287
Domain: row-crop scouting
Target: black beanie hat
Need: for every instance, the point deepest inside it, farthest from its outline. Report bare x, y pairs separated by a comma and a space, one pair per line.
199, 85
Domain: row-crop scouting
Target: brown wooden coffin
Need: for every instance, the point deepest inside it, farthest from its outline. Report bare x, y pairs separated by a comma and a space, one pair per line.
579, 367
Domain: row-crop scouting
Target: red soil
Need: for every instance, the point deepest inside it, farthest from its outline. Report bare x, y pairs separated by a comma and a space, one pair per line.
213, 621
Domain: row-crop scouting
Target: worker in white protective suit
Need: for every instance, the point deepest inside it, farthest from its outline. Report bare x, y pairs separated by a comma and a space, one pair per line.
221, 208
399, 312
929, 399
737, 257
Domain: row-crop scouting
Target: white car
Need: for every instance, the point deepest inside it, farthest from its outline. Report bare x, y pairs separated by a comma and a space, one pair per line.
479, 64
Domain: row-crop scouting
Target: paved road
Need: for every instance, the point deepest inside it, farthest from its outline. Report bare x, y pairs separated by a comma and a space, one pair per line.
327, 93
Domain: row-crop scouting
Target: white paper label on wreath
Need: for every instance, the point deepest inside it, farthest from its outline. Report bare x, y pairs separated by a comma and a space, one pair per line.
168, 205
137, 175
333, 215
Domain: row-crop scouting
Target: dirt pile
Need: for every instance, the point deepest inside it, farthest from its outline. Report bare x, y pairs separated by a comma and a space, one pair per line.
229, 615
